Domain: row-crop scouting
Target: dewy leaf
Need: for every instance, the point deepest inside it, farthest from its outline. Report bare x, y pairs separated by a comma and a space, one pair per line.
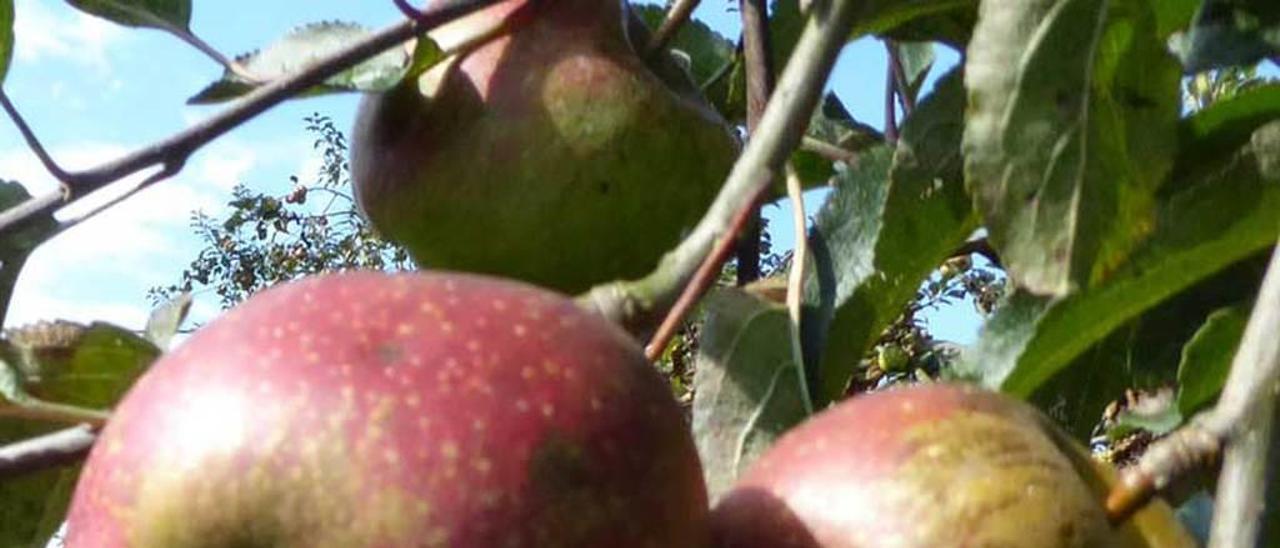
1228, 33
73, 365
747, 388
6, 37
302, 47
1073, 105
158, 14
166, 319
1206, 359
889, 223
1199, 231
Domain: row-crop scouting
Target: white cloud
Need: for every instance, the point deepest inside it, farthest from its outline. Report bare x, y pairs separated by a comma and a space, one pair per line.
101, 268
43, 33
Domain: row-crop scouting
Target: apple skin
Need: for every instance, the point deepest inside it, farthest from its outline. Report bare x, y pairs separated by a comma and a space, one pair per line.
931, 465
550, 154
367, 409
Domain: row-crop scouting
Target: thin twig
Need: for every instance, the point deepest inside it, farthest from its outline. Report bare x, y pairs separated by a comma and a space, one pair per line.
890, 109
795, 280
641, 303
981, 246
702, 281
677, 16
723, 71
1241, 420
828, 151
59, 448
905, 99
33, 142
165, 172
232, 66
760, 82
174, 150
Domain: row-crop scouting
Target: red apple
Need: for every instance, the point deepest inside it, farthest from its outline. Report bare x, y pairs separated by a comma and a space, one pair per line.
930, 466
368, 409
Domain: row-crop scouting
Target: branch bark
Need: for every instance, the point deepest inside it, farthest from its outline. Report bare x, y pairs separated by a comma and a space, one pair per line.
679, 14
1242, 420
760, 82
1244, 416
60, 448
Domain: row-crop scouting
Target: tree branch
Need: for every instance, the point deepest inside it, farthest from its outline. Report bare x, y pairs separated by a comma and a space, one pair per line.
890, 110
33, 142
637, 304
51, 450
1241, 420
905, 99
679, 14
1244, 415
760, 81
174, 150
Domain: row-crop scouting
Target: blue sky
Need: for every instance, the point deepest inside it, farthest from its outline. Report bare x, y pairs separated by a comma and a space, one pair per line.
93, 90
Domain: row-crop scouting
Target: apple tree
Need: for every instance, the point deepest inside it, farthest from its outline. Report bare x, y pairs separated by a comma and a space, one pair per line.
567, 180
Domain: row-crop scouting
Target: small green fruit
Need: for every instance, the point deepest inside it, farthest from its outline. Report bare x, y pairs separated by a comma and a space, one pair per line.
550, 154
396, 410
930, 466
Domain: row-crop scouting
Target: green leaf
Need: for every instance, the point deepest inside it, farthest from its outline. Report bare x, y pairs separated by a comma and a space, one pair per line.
159, 14
1199, 231
166, 319
831, 124
1144, 353
947, 21
1158, 421
6, 37
706, 49
747, 387
71, 364
889, 223
1228, 33
304, 46
1071, 130
917, 58
17, 245
1206, 359
1173, 15
426, 54
59, 365
1211, 137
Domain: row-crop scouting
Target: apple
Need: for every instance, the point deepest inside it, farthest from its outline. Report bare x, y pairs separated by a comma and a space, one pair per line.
369, 409
929, 466
550, 153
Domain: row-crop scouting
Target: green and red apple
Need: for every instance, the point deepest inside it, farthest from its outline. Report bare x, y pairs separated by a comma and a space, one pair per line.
549, 152
367, 409
931, 466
